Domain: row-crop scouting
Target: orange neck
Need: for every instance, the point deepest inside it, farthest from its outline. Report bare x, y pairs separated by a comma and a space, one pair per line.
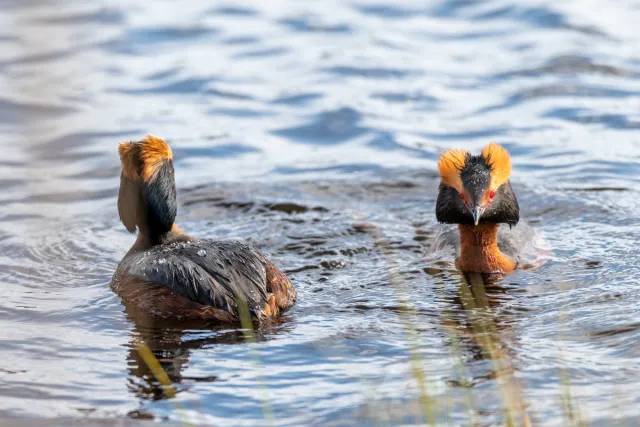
479, 252
143, 242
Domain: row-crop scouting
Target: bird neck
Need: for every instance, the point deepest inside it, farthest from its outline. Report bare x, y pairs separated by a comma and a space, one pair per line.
147, 240
479, 250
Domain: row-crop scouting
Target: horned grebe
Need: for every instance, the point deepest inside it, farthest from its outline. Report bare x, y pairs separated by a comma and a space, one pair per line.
168, 273
476, 194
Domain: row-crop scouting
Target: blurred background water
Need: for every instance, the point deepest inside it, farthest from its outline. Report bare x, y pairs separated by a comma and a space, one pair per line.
311, 130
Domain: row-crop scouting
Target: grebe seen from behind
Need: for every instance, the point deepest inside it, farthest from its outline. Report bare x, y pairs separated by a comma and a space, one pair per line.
168, 273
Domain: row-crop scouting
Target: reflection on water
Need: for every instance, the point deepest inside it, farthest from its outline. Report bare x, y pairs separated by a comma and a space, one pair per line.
488, 335
171, 345
311, 130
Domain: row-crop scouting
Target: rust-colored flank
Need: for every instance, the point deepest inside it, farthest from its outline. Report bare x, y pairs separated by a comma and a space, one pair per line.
283, 293
147, 298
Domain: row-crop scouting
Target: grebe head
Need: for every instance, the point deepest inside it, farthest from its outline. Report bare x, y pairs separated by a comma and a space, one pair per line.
147, 198
476, 189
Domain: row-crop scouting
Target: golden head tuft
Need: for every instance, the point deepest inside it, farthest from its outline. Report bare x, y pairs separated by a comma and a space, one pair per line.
498, 159
450, 165
153, 153
144, 157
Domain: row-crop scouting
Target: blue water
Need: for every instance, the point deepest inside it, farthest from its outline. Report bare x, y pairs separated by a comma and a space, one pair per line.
311, 130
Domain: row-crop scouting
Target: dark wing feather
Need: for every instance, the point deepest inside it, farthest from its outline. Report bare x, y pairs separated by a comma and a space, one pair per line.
210, 273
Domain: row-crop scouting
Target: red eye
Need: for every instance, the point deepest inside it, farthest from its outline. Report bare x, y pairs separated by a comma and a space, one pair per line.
462, 196
492, 194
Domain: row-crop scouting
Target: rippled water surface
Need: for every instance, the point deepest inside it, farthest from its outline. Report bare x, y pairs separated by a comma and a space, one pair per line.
311, 130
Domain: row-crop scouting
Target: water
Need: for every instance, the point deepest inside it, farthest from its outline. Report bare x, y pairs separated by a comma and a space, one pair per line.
311, 131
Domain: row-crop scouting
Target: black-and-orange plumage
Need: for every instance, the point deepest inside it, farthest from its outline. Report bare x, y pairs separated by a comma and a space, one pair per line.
476, 194
168, 273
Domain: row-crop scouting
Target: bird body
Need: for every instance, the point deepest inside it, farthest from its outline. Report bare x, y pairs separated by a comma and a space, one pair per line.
168, 273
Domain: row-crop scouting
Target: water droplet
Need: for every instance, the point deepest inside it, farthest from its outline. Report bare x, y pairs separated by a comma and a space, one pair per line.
202, 252
162, 261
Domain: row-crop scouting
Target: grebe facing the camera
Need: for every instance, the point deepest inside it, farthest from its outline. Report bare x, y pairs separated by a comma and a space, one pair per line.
476, 194
168, 273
